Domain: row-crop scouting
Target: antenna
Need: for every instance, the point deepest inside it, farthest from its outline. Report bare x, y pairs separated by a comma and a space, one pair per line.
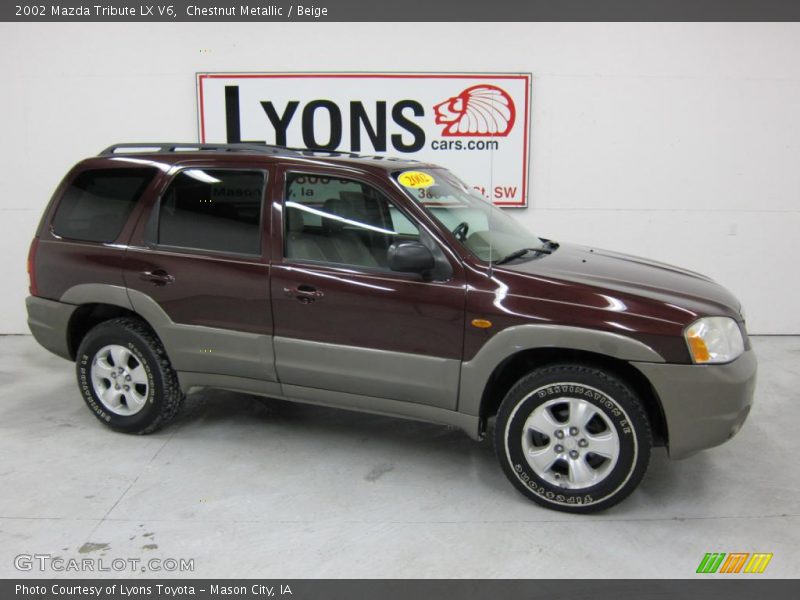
491, 187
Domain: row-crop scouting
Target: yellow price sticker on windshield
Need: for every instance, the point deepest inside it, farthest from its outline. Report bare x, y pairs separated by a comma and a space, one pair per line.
415, 179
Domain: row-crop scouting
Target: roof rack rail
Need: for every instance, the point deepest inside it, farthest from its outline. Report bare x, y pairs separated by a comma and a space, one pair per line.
162, 148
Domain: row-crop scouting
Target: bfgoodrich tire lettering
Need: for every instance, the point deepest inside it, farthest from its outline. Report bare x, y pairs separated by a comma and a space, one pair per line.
160, 395
573, 438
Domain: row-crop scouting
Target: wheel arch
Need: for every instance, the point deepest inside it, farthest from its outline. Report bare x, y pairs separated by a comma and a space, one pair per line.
86, 316
512, 352
96, 303
508, 372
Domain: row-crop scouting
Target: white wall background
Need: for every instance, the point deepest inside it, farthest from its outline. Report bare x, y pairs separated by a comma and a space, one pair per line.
680, 142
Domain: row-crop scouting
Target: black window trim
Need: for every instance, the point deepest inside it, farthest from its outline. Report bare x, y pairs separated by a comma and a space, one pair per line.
152, 224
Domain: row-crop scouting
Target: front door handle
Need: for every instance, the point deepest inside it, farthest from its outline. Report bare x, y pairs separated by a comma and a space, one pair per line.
303, 293
158, 276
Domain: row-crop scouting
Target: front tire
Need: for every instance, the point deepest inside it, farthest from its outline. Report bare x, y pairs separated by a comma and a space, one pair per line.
573, 438
125, 377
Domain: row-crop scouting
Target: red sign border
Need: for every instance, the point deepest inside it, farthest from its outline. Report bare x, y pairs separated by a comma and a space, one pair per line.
527, 77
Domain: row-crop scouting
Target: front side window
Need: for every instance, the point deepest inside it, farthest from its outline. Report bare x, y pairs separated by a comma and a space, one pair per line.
485, 230
213, 209
341, 221
97, 203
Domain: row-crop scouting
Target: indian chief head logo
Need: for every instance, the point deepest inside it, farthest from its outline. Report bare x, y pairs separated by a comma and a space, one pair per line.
480, 110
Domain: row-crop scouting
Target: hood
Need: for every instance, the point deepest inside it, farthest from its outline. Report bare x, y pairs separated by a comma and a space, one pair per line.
652, 287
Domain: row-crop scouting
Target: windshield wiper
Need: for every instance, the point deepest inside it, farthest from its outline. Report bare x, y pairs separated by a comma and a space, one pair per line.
546, 248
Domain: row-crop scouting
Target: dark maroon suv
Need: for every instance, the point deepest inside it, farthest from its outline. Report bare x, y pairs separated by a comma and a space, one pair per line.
385, 286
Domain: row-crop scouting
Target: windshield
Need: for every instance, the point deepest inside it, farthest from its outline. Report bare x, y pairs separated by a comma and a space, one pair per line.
485, 230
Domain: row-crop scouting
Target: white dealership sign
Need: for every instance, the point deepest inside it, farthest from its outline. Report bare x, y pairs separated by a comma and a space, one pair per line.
475, 124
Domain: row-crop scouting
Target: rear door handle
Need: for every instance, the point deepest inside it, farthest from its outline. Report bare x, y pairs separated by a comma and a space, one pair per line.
303, 293
158, 276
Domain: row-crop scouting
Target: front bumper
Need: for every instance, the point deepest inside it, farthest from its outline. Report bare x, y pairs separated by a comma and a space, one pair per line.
704, 405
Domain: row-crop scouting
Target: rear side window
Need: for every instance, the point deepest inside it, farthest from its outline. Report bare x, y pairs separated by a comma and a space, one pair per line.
213, 209
97, 203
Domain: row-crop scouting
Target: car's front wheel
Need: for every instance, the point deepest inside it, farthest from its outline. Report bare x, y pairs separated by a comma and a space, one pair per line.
572, 437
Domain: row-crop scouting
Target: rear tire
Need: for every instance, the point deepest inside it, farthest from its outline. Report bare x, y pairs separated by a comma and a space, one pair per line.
573, 438
125, 377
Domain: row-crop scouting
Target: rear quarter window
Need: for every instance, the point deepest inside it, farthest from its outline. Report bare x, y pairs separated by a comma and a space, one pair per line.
97, 203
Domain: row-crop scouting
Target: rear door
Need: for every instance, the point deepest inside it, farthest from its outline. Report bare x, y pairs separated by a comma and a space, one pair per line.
344, 322
197, 270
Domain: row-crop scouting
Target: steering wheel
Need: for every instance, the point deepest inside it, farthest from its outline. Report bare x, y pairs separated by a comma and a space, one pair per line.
461, 231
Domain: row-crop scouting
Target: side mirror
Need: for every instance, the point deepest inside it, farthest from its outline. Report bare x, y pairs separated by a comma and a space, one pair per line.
410, 257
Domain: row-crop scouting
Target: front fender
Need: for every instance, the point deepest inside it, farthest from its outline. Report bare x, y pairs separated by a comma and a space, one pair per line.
476, 372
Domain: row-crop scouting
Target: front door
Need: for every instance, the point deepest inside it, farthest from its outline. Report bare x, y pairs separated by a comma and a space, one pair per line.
343, 320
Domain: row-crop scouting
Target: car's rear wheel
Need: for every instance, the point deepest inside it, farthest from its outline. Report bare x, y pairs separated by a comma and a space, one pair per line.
574, 438
126, 378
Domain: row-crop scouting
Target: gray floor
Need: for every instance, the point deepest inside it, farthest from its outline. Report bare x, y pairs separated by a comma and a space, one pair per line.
254, 487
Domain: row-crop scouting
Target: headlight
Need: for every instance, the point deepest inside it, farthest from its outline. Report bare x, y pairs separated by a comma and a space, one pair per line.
714, 340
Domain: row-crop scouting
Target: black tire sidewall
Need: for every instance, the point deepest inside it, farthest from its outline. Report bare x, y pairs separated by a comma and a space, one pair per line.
107, 334
617, 403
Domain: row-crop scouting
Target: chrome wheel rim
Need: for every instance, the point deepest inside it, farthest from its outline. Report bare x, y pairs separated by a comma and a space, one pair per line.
570, 443
119, 380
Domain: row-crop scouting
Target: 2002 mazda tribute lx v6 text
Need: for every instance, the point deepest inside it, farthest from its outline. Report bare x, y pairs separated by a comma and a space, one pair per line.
386, 286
